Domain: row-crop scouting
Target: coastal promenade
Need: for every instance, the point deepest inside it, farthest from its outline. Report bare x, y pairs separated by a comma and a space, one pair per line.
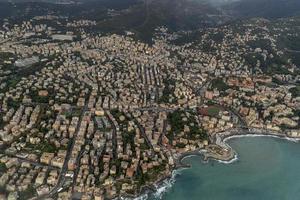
219, 148
178, 162
226, 153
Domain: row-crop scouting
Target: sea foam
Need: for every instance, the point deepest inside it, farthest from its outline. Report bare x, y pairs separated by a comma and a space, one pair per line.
161, 188
166, 184
142, 197
234, 159
262, 135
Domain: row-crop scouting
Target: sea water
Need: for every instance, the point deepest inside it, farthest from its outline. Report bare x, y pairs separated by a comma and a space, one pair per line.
266, 169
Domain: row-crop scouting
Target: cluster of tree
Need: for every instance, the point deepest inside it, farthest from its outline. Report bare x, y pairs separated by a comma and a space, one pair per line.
168, 92
43, 146
28, 193
271, 66
177, 125
219, 84
295, 91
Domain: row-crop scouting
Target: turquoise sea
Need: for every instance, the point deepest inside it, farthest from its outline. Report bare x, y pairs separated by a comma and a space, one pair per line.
266, 169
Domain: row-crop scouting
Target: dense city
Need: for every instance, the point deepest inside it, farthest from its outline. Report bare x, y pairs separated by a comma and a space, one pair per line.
100, 116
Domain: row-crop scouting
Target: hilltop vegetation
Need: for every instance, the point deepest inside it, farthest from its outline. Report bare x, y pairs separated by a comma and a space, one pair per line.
265, 8
142, 17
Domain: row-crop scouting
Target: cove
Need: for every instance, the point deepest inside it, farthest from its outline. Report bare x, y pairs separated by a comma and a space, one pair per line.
266, 169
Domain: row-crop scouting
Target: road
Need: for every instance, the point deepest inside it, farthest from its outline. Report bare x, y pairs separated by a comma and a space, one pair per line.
81, 153
38, 164
156, 109
163, 132
201, 92
62, 174
143, 133
62, 178
114, 134
5, 40
219, 138
291, 51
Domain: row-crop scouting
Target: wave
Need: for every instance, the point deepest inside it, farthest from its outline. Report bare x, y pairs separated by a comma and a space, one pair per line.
234, 159
261, 135
142, 197
188, 156
296, 140
161, 188
166, 185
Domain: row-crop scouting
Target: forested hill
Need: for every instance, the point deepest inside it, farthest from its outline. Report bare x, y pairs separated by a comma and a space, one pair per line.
265, 8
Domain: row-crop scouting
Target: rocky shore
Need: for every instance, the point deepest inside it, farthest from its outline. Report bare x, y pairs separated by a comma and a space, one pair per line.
217, 150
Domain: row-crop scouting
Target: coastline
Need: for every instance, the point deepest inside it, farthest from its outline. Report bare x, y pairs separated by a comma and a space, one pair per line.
220, 139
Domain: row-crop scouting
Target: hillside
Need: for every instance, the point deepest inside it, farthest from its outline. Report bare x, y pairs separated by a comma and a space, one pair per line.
265, 8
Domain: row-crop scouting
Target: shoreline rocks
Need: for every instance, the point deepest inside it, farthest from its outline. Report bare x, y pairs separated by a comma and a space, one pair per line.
218, 150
